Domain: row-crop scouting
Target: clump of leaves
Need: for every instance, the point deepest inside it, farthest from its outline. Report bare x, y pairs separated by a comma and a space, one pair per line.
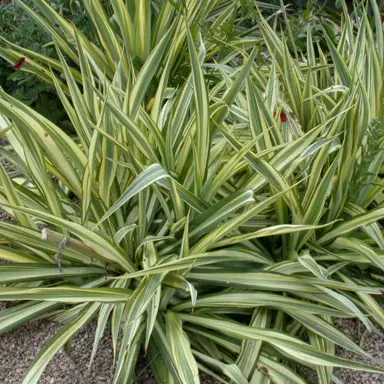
209, 223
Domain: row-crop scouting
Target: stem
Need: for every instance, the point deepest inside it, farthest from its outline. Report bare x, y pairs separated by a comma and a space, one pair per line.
73, 244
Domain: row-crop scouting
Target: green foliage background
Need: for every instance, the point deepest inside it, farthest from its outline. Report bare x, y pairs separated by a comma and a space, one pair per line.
17, 27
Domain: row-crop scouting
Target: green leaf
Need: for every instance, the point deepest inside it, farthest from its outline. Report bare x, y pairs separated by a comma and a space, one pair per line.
66, 294
14, 273
146, 178
352, 224
181, 350
202, 116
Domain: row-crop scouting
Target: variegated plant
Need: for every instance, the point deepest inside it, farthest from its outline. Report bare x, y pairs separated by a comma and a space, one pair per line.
216, 219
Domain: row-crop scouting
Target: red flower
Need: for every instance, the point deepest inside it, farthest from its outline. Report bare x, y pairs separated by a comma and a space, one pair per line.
19, 63
283, 116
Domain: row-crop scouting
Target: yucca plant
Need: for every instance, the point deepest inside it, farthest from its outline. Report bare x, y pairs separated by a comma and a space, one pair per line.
218, 222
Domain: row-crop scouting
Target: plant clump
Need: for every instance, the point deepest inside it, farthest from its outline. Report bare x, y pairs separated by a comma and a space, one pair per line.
212, 210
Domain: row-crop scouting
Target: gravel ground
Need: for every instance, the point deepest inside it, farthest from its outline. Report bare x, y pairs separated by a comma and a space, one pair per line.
373, 344
6, 164
18, 349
